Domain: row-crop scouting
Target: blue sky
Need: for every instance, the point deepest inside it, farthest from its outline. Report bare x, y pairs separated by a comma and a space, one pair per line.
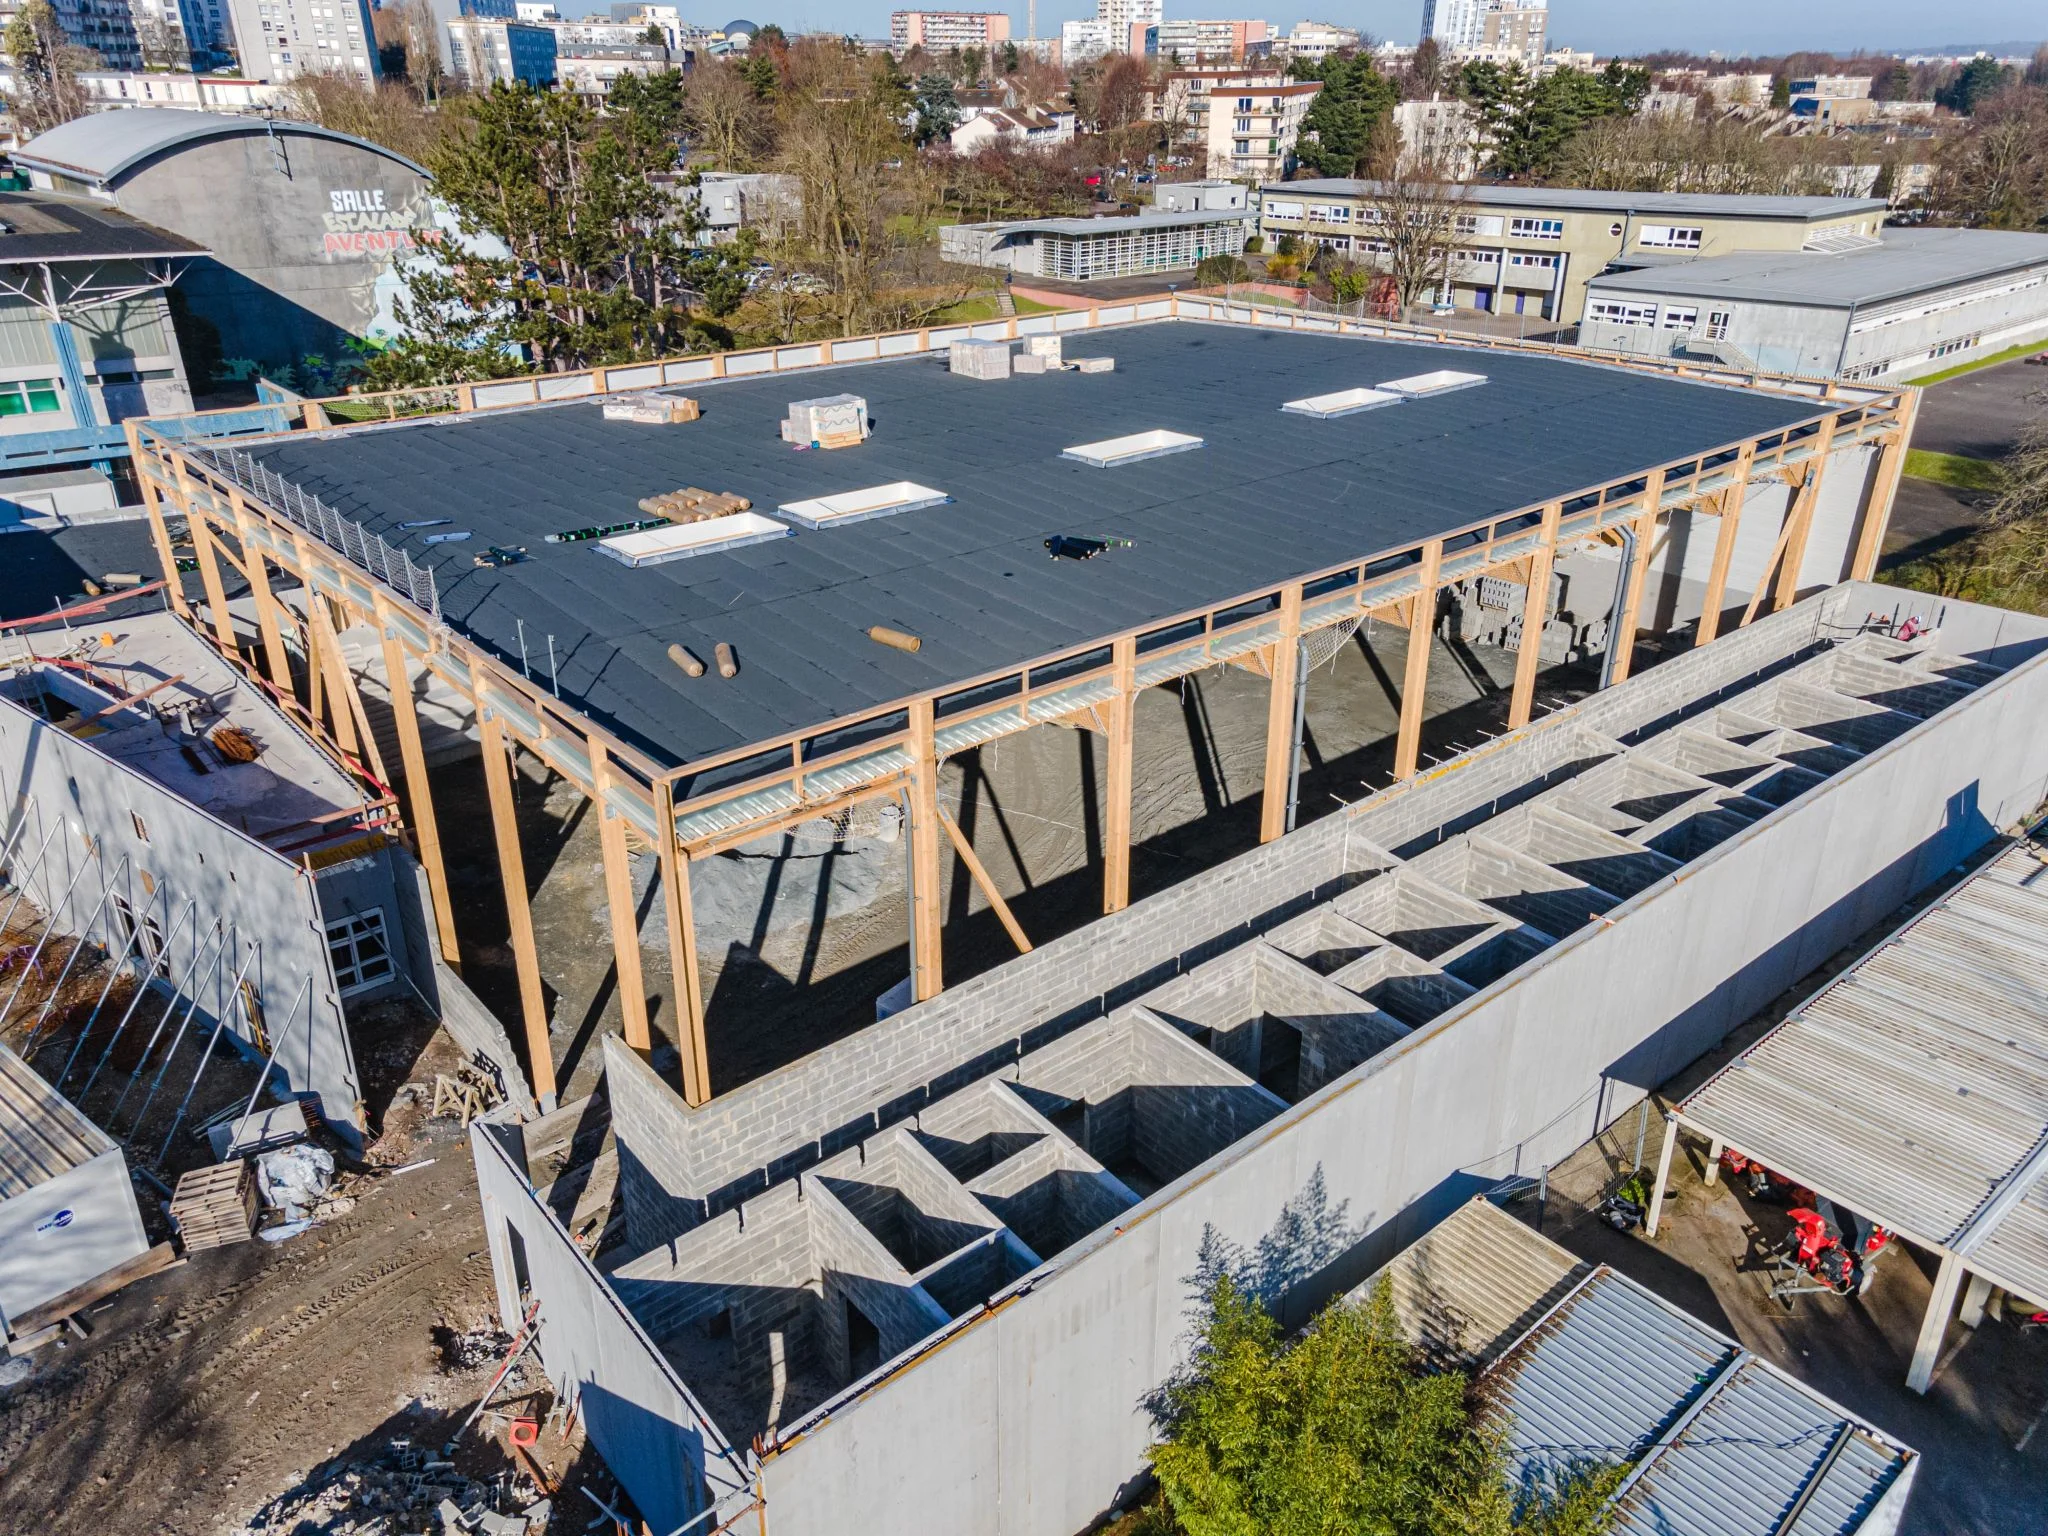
1630, 26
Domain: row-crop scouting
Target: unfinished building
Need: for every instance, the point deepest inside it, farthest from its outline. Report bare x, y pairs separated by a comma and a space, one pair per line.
901, 611
939, 1265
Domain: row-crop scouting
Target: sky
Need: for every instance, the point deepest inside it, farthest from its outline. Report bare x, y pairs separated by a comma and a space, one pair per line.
1605, 26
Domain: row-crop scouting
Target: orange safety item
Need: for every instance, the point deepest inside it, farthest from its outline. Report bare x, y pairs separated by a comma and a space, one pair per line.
524, 1432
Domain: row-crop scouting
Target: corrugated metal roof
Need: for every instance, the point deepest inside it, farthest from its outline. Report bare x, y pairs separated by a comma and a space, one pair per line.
1914, 1088
41, 1133
1269, 497
1698, 205
1906, 264
101, 146
1117, 224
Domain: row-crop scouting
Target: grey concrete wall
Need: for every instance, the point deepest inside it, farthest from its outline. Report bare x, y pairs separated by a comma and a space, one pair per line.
651, 1431
1025, 1418
185, 855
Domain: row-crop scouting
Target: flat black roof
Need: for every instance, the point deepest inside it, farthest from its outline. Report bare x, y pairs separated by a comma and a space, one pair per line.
1270, 496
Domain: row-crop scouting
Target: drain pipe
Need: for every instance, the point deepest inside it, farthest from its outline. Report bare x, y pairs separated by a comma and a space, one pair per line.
1628, 561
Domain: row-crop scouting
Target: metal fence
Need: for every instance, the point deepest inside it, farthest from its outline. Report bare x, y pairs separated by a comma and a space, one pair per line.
393, 567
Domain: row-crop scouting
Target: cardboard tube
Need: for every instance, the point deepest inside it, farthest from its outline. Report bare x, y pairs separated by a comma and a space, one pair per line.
728, 664
682, 657
895, 639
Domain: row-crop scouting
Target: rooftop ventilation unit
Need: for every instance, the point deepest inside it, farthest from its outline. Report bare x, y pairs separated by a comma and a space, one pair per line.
1129, 450
1345, 402
658, 546
1441, 382
858, 506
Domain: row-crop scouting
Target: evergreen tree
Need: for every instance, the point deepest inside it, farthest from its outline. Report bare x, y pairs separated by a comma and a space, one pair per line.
938, 111
1337, 134
1975, 83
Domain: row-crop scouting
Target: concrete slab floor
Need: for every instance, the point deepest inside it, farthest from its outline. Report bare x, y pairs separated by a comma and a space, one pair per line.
798, 936
1982, 1427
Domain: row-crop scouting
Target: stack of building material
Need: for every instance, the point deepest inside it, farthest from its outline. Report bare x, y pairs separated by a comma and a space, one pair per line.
692, 505
650, 409
1046, 348
1095, 364
215, 1206
979, 359
831, 421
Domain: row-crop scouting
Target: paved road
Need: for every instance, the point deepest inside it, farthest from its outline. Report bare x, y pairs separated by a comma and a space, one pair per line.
1980, 414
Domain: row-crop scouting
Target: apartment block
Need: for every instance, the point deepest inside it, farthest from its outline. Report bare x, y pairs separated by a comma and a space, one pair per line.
1252, 132
943, 31
280, 40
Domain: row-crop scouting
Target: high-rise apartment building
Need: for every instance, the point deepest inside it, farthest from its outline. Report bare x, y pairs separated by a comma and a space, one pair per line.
943, 31
1195, 41
278, 40
108, 27
1128, 21
1501, 30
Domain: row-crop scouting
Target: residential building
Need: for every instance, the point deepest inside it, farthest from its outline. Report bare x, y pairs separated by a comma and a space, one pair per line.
1127, 20
1314, 41
943, 31
592, 73
730, 201
1837, 86
1581, 59
1083, 41
107, 27
1834, 111
536, 11
1501, 30
1180, 100
1440, 134
488, 51
1252, 131
593, 38
1531, 250
1738, 90
1019, 127
1200, 196
1190, 41
279, 40
1079, 250
1682, 105
106, 89
1911, 302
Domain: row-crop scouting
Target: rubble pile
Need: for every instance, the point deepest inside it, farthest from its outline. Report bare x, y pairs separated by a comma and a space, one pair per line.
403, 1492
468, 1351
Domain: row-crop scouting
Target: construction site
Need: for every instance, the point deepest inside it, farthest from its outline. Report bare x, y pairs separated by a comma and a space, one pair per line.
894, 850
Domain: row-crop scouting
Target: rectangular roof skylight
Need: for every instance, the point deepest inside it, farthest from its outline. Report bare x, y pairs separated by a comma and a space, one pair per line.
856, 506
1345, 402
1128, 450
1441, 382
657, 546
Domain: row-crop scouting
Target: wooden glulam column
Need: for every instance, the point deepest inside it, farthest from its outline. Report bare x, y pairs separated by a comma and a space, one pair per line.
1731, 500
1808, 503
419, 795
159, 534
681, 922
1284, 669
1116, 835
1623, 640
209, 568
618, 895
1535, 613
1884, 487
276, 660
518, 913
1415, 677
928, 977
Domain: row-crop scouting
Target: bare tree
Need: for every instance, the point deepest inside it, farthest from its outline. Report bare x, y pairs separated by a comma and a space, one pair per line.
1415, 222
46, 67
389, 113
1994, 174
728, 122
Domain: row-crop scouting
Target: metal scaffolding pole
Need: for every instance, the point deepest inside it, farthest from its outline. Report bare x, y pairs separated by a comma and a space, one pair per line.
49, 927
220, 1023
21, 886
191, 1007
278, 1044
83, 937
115, 964
141, 991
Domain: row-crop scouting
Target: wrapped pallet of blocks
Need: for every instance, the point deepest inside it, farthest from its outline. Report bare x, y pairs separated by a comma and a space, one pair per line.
1046, 348
831, 421
650, 409
1031, 362
979, 359
1095, 364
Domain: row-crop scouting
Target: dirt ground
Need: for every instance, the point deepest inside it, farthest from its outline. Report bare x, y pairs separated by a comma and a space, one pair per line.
799, 936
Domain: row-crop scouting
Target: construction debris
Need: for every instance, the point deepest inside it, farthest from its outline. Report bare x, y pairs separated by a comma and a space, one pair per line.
831, 421
401, 1492
501, 554
295, 1179
692, 505
216, 1205
235, 744
686, 658
650, 409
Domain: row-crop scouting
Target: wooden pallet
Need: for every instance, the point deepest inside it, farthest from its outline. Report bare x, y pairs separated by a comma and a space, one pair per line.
215, 1206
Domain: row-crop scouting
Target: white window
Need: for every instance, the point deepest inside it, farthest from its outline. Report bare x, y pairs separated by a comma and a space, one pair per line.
1671, 237
1277, 210
1243, 125
1241, 147
1334, 213
1244, 103
1537, 229
1614, 312
1677, 318
1717, 324
361, 953
1538, 263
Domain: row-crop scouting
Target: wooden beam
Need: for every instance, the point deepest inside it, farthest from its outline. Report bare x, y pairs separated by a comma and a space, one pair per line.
335, 672
1116, 820
1415, 681
209, 571
618, 896
159, 534
682, 948
1535, 612
1731, 498
276, 659
1765, 582
518, 914
1000, 907
928, 977
1884, 487
1934, 1324
419, 795
1802, 531
1623, 640
1284, 668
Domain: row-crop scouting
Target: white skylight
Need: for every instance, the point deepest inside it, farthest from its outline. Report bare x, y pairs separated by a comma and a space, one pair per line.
1345, 402
854, 506
657, 546
1128, 450
1441, 382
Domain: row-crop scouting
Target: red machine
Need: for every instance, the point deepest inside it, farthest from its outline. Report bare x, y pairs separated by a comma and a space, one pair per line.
1828, 1249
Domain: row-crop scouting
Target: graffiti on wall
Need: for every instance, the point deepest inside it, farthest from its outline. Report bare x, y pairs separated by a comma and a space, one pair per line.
368, 221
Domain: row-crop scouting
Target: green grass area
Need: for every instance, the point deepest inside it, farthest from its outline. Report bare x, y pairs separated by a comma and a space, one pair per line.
1965, 474
2008, 355
1032, 306
987, 306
